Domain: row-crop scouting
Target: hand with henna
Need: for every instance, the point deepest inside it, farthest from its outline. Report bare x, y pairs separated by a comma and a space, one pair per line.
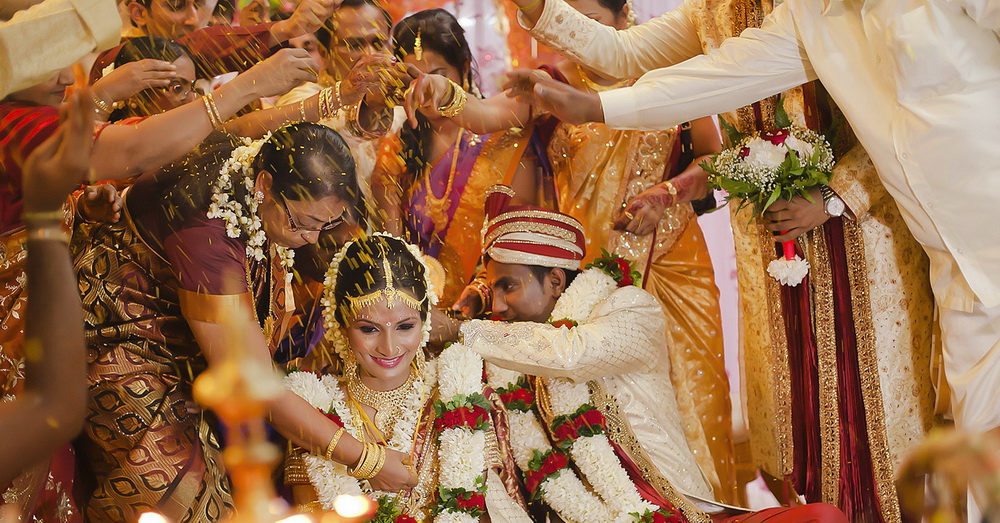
645, 210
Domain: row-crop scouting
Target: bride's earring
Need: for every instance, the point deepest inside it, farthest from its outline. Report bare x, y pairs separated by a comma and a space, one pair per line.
259, 197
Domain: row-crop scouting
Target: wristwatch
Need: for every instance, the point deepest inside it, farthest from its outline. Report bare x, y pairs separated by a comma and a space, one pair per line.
832, 203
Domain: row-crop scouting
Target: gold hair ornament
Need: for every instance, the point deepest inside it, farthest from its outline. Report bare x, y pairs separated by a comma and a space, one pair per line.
418, 47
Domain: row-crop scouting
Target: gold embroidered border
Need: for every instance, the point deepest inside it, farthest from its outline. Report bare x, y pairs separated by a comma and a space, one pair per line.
538, 214
821, 280
779, 355
871, 390
621, 433
542, 228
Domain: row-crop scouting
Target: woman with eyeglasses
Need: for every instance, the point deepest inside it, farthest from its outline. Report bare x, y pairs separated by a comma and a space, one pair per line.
203, 250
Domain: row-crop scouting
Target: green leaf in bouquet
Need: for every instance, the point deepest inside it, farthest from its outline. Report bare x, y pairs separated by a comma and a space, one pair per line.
781, 119
733, 135
775, 194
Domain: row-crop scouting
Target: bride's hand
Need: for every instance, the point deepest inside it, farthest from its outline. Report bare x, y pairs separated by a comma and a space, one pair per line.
397, 473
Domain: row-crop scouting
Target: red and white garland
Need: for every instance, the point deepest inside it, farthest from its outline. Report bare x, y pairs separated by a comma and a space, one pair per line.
578, 429
462, 424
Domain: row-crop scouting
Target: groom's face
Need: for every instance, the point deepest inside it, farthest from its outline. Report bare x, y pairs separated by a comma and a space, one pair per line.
524, 292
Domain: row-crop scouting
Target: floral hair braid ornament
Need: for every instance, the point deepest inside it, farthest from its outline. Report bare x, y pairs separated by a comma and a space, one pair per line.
242, 217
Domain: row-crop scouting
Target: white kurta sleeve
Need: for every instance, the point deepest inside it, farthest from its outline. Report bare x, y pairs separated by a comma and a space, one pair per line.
37, 42
625, 334
985, 12
661, 42
760, 63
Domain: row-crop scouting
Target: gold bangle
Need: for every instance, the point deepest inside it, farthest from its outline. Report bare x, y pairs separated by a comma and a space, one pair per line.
333, 443
372, 456
48, 233
355, 472
208, 109
456, 104
302, 110
382, 454
101, 105
530, 6
671, 190
44, 216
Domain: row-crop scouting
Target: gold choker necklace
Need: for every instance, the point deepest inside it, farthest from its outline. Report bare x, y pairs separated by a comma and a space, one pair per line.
388, 404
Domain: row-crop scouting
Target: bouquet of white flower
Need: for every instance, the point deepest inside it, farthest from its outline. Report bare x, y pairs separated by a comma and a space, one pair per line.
759, 169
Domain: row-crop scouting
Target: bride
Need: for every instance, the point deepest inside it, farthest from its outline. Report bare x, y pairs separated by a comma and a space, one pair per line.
377, 298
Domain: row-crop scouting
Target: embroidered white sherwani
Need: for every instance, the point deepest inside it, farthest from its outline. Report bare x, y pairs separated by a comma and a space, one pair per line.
622, 347
889, 291
919, 80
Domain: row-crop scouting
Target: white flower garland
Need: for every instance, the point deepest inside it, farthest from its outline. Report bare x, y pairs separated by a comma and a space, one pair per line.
329, 478
617, 498
590, 287
788, 272
462, 451
242, 217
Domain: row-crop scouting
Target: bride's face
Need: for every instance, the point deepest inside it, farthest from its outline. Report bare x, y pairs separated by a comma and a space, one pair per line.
385, 339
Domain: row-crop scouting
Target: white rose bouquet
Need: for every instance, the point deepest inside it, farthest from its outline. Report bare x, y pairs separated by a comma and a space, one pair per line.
761, 168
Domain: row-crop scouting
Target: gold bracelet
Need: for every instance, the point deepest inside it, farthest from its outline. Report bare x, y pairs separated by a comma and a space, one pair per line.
354, 123
354, 472
207, 99
671, 190
530, 6
333, 443
44, 216
372, 456
48, 233
302, 111
456, 104
101, 105
382, 454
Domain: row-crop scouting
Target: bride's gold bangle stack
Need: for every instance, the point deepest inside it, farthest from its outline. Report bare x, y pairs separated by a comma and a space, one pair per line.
456, 103
372, 460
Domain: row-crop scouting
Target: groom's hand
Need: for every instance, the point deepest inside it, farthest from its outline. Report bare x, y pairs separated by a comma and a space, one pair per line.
796, 216
561, 100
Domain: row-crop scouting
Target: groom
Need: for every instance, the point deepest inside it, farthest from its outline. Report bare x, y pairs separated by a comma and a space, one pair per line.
532, 258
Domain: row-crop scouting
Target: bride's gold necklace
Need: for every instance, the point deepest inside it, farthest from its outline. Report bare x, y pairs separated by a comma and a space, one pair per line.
596, 86
437, 207
388, 404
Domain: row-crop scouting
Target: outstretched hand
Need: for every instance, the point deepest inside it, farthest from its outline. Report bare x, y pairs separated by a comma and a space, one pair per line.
129, 79
57, 166
563, 101
425, 94
645, 210
377, 78
308, 17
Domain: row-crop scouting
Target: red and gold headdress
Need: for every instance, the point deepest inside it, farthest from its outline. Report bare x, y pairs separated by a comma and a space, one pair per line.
528, 235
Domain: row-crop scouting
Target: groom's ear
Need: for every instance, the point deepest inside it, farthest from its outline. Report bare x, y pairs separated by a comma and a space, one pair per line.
556, 280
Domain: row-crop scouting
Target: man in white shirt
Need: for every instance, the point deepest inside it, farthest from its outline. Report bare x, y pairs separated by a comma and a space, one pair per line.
919, 81
45, 37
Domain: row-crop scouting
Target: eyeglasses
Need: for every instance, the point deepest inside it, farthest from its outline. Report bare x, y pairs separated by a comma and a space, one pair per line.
332, 224
181, 88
